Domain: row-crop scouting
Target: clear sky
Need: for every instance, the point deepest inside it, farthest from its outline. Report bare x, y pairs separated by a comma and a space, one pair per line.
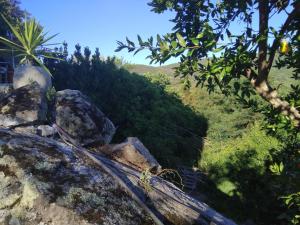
100, 23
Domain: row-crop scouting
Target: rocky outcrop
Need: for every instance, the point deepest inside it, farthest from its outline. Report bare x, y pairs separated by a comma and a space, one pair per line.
133, 153
65, 172
43, 182
26, 105
26, 108
84, 122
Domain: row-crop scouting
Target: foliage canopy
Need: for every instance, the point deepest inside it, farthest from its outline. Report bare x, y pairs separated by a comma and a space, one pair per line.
236, 63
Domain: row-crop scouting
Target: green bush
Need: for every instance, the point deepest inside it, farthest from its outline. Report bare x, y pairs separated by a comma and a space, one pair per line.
255, 146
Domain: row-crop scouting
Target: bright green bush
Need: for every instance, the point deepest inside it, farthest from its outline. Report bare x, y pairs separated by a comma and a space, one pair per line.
254, 146
239, 168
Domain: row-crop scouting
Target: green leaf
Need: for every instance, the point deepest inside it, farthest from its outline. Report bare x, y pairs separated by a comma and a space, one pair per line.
140, 40
174, 44
195, 41
48, 39
130, 43
236, 86
15, 31
163, 46
190, 53
158, 38
181, 40
215, 69
178, 51
42, 65
218, 49
150, 40
11, 44
213, 42
281, 167
222, 75
199, 36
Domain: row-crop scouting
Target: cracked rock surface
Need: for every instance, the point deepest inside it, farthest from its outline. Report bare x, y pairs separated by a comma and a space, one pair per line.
42, 182
23, 106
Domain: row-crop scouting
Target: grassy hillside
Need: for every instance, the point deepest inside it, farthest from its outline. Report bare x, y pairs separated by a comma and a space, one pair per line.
236, 153
226, 119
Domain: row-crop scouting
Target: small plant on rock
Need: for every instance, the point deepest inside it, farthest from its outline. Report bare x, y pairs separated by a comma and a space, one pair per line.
29, 45
30, 38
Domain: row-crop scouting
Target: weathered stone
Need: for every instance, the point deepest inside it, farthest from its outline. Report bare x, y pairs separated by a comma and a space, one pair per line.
82, 120
41, 130
4, 217
14, 221
26, 74
26, 130
133, 153
4, 89
43, 182
22, 106
46, 130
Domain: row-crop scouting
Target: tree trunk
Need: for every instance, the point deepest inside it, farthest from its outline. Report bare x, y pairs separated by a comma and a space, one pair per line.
263, 7
260, 80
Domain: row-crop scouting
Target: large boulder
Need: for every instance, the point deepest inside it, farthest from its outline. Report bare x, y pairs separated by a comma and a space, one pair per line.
42, 182
133, 153
82, 120
25, 105
26, 74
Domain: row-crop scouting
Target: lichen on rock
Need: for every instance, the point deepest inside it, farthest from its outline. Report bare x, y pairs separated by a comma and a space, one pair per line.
22, 106
43, 182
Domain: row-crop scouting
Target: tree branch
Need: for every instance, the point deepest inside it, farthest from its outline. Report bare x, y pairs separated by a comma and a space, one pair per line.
282, 31
269, 94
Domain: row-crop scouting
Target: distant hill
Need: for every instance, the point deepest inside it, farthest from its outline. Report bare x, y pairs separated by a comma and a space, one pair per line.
227, 118
141, 69
281, 78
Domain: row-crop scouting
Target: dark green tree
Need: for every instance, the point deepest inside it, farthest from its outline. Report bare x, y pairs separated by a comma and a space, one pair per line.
12, 11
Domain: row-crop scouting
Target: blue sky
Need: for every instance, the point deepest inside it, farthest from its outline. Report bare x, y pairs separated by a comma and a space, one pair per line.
100, 23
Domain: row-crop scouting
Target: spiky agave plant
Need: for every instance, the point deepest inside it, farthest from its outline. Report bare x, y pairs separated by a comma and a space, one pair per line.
30, 38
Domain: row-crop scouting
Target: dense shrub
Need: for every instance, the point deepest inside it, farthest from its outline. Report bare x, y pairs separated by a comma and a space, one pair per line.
138, 106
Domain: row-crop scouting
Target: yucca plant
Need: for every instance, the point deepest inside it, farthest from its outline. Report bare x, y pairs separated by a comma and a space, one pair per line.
30, 38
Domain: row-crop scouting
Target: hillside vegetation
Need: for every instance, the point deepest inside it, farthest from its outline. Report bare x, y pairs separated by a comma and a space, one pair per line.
237, 152
182, 124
